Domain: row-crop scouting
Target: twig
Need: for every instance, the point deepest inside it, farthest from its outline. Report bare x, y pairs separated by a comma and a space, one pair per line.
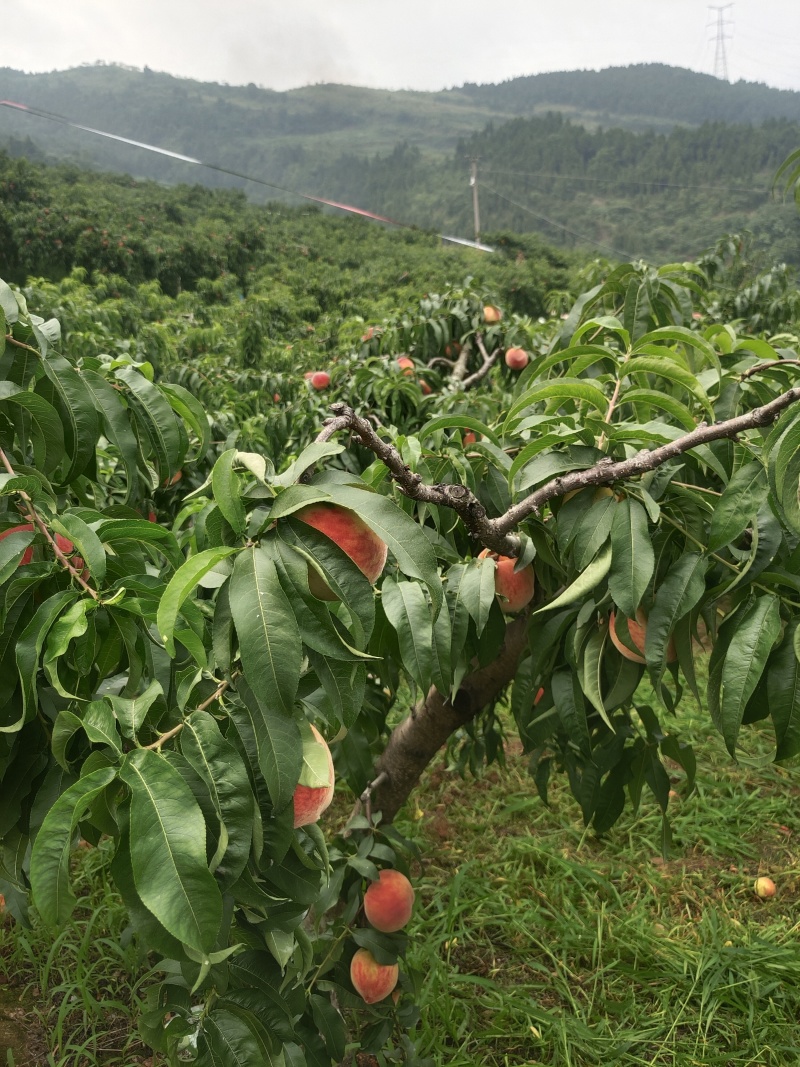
159, 741
488, 362
21, 344
33, 515
766, 366
366, 796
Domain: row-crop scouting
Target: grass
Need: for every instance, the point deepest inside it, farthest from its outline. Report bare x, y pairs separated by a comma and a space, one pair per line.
533, 942
75, 997
542, 945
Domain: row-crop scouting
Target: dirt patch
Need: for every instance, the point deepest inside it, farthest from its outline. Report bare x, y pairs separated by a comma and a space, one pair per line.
20, 1031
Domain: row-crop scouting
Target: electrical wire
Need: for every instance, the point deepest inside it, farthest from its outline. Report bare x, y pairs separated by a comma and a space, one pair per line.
625, 256
50, 116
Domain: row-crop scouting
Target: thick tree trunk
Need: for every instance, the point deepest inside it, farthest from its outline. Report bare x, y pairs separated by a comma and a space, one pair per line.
417, 739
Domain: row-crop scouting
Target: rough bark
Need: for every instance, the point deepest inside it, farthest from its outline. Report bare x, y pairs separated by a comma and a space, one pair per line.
418, 738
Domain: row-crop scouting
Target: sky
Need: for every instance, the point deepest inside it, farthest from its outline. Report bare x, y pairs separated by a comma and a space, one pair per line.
404, 44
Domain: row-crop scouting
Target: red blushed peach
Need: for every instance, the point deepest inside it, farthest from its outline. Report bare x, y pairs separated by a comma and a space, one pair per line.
426, 389
311, 801
516, 358
492, 314
372, 980
388, 903
514, 589
352, 535
406, 365
637, 631
320, 380
469, 438
62, 543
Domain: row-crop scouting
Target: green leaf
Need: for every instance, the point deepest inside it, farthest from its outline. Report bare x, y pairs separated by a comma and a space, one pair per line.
783, 693
681, 589
737, 507
757, 629
632, 557
663, 367
225, 775
570, 390
81, 428
225, 483
278, 742
164, 430
409, 613
168, 851
116, 427
70, 625
232, 1036
86, 541
47, 433
182, 583
29, 648
476, 590
188, 408
269, 638
131, 712
571, 707
309, 457
100, 725
330, 1024
586, 581
49, 874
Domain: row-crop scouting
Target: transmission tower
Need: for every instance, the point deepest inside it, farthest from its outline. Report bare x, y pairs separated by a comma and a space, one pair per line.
720, 58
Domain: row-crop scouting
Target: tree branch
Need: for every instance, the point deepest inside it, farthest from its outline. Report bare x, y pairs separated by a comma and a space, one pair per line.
32, 514
488, 362
496, 533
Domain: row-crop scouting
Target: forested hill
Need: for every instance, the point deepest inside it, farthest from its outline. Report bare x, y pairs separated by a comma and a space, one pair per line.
696, 160
638, 96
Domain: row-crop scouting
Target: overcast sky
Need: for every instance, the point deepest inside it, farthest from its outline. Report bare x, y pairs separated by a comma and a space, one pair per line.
402, 44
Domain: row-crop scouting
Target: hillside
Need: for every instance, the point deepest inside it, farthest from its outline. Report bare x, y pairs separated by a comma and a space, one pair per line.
621, 161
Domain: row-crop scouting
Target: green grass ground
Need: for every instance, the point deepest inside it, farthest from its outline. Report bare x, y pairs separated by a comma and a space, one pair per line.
535, 942
543, 945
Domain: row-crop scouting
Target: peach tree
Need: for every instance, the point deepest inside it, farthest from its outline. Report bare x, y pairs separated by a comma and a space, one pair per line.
165, 684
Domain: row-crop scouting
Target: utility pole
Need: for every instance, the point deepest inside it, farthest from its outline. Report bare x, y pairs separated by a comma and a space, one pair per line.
473, 181
720, 59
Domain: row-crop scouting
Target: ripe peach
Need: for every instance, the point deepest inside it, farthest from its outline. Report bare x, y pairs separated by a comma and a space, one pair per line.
388, 903
352, 535
406, 365
309, 374
372, 980
62, 542
492, 313
320, 380
426, 389
764, 887
516, 358
452, 350
469, 438
514, 589
637, 631
276, 397
311, 801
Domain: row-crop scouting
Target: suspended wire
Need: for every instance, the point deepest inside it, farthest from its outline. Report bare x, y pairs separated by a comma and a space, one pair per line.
624, 181
50, 116
625, 256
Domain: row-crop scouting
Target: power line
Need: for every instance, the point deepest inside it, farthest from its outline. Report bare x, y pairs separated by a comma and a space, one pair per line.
625, 256
629, 181
50, 116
